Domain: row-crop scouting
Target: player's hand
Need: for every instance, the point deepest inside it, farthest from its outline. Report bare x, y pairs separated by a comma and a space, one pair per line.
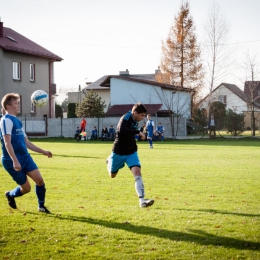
48, 154
17, 166
142, 135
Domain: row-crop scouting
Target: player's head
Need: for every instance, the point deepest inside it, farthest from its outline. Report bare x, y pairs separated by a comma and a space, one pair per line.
138, 112
148, 116
8, 99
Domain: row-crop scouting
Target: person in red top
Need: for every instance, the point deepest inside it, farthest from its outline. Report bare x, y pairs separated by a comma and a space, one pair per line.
83, 125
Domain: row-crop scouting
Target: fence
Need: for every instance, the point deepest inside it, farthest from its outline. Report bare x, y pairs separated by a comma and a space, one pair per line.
66, 127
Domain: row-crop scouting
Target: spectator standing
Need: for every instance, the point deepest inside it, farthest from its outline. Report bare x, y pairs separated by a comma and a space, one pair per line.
212, 124
83, 124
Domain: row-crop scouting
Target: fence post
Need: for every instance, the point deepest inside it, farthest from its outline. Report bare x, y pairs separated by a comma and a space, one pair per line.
61, 126
25, 123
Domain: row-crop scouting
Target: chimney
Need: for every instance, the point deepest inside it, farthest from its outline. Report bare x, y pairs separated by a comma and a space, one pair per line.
124, 73
158, 70
1, 29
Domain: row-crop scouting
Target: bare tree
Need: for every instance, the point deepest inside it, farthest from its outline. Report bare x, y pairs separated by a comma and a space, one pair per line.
176, 104
217, 55
252, 88
180, 62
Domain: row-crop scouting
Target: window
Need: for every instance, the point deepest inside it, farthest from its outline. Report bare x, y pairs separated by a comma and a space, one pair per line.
33, 108
222, 99
16, 70
32, 72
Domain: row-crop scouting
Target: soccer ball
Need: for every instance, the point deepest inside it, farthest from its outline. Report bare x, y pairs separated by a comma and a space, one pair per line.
39, 98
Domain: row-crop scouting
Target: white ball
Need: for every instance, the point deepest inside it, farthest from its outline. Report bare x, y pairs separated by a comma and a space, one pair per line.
39, 98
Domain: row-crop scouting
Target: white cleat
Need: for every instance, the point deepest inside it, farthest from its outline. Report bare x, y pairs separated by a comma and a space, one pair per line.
146, 203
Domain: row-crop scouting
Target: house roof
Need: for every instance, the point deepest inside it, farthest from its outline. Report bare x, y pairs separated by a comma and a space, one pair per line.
233, 88
97, 83
236, 90
15, 42
106, 83
122, 109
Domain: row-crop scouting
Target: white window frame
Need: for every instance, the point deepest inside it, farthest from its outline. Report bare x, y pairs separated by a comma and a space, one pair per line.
32, 72
16, 70
222, 99
33, 108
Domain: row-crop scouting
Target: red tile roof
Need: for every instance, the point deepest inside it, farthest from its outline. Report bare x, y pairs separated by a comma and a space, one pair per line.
15, 42
119, 110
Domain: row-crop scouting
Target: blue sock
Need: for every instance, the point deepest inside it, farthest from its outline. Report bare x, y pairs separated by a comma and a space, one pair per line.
151, 142
16, 192
40, 192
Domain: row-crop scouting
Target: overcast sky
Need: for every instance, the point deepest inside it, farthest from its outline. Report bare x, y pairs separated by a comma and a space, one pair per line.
102, 37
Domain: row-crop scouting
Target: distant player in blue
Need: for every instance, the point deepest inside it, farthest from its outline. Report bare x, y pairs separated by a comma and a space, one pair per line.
125, 150
150, 129
160, 130
15, 157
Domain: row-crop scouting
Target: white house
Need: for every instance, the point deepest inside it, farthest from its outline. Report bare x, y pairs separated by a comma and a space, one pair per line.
127, 89
233, 98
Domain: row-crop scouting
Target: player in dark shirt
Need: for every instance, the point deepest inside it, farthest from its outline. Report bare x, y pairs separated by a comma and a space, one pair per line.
125, 150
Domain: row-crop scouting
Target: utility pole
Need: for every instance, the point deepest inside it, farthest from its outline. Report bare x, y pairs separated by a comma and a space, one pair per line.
79, 95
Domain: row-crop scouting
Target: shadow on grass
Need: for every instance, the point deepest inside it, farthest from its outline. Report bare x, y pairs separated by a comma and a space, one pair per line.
221, 212
194, 236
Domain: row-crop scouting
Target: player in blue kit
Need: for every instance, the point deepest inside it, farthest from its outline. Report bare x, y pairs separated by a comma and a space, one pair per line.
15, 157
150, 130
125, 150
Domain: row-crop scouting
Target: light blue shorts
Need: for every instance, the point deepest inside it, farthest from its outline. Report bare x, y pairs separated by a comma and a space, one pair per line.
118, 161
27, 165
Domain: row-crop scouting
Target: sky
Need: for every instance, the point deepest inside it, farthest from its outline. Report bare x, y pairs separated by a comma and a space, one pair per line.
103, 37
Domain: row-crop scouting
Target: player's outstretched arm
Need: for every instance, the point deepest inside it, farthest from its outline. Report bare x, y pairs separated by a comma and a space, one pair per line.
36, 149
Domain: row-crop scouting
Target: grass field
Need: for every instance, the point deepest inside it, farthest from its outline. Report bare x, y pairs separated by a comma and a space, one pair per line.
207, 204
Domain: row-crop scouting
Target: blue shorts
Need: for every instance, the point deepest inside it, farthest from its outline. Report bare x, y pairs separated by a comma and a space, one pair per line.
118, 161
150, 134
27, 165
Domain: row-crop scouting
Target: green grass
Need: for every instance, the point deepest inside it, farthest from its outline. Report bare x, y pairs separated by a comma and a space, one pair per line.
206, 204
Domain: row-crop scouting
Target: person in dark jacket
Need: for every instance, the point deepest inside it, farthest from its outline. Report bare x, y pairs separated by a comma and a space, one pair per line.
212, 125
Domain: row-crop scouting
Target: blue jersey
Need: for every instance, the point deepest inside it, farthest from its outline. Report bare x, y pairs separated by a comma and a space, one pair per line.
94, 131
10, 125
160, 129
150, 127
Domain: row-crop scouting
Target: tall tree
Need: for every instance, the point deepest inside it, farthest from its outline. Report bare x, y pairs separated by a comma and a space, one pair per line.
180, 61
91, 106
216, 53
252, 88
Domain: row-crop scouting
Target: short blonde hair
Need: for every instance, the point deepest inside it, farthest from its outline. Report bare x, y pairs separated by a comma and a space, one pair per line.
8, 98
